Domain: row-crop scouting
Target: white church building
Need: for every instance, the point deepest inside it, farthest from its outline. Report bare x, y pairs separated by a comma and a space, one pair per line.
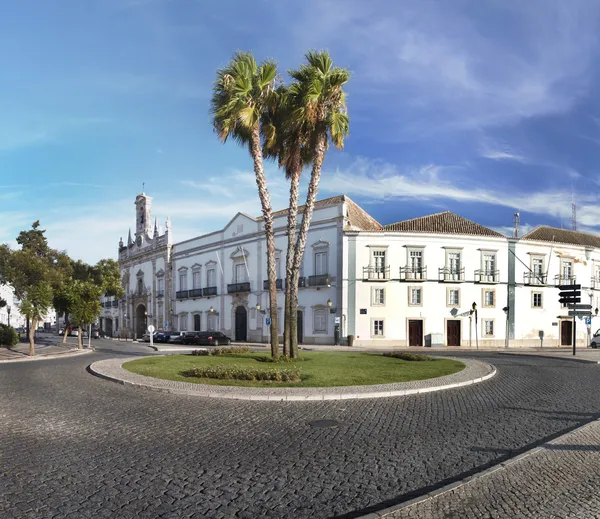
410, 283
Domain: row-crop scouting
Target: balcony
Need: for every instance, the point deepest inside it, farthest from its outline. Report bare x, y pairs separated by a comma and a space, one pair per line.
371, 273
410, 273
487, 276
278, 284
448, 274
209, 291
115, 304
595, 283
564, 280
234, 288
531, 278
182, 294
160, 293
196, 292
320, 280
302, 282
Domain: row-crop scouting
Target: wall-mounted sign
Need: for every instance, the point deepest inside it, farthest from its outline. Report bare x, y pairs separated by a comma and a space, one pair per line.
363, 311
554, 324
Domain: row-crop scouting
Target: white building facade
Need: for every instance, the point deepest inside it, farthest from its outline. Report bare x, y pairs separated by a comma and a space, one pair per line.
411, 283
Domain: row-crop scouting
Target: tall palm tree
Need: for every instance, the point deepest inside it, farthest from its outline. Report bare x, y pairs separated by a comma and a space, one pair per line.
242, 93
321, 109
287, 139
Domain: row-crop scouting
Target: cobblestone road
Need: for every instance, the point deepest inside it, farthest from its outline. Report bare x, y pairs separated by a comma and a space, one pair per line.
75, 446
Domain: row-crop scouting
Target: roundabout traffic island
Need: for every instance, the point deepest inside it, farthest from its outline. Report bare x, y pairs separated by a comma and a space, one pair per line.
242, 374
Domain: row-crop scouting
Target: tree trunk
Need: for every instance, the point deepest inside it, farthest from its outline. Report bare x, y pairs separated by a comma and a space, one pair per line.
265, 201
80, 338
290, 308
311, 195
65, 334
32, 336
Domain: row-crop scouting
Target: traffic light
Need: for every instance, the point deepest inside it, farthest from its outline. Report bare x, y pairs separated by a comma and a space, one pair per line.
569, 294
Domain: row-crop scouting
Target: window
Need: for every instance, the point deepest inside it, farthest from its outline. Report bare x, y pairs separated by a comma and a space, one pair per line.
454, 262
277, 268
161, 286
488, 327
159, 317
211, 322
415, 264
140, 286
537, 265
536, 300
488, 261
197, 322
379, 261
183, 322
320, 320
211, 278
453, 297
415, 296
321, 263
453, 271
567, 270
377, 327
489, 298
378, 296
183, 281
196, 279
240, 273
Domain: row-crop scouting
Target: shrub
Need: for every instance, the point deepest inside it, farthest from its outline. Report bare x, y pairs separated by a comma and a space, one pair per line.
234, 372
8, 335
405, 355
283, 358
233, 350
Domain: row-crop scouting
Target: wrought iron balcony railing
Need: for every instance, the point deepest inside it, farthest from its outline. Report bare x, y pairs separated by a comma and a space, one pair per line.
278, 284
320, 280
561, 279
451, 274
595, 283
371, 273
160, 293
487, 276
234, 288
209, 291
195, 292
410, 273
533, 278
182, 294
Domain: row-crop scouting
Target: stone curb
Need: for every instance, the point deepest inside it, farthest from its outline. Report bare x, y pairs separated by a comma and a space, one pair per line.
70, 353
107, 370
572, 358
457, 484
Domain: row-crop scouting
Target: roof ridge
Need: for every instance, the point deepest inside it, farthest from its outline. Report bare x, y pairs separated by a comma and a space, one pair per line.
421, 217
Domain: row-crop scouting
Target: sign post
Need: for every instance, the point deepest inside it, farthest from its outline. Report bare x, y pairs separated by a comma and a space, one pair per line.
151, 330
570, 295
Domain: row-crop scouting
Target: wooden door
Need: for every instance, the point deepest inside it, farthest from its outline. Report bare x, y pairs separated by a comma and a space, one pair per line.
300, 326
453, 333
566, 333
241, 323
415, 332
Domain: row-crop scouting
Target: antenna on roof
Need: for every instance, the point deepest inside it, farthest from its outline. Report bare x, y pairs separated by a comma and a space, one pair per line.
574, 215
516, 220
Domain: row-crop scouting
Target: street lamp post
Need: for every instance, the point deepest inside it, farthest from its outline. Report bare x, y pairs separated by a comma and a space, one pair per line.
474, 306
8, 312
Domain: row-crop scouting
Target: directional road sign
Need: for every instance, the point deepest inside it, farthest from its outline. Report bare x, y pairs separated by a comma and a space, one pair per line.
575, 313
580, 307
569, 287
569, 294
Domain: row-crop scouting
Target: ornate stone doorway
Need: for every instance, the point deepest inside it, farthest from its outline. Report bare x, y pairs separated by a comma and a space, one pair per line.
140, 320
241, 323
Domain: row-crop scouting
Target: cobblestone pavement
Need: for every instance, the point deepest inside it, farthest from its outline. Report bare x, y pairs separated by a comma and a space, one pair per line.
75, 446
560, 480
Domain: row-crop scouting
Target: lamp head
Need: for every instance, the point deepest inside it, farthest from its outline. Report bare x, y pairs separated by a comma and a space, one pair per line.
258, 307
329, 303
474, 306
211, 310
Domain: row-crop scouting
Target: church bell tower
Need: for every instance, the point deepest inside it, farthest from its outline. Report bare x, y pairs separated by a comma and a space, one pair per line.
143, 219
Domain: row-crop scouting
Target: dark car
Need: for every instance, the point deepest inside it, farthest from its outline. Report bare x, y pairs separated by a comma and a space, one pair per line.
190, 337
162, 336
211, 339
175, 337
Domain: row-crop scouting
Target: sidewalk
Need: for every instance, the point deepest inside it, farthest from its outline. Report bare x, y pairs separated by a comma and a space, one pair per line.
21, 351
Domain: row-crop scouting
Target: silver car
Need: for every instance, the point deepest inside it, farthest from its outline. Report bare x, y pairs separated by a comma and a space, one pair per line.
595, 340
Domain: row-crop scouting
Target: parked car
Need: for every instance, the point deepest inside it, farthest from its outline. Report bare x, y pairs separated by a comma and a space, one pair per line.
146, 336
162, 336
596, 340
60, 332
74, 332
189, 337
208, 339
175, 337
95, 334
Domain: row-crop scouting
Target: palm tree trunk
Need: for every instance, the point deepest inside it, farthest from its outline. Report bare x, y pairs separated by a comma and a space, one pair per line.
265, 201
32, 328
311, 196
290, 308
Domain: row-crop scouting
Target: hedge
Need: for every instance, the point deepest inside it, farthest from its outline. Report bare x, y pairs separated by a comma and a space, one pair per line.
404, 355
234, 372
8, 335
223, 351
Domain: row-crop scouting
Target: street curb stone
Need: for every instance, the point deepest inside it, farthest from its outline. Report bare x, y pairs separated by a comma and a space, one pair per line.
475, 371
457, 484
70, 353
550, 356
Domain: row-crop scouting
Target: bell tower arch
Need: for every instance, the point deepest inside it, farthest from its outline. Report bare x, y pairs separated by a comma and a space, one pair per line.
143, 218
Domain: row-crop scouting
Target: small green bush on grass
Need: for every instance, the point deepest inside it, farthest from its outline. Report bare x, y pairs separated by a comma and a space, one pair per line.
232, 350
233, 372
405, 355
8, 335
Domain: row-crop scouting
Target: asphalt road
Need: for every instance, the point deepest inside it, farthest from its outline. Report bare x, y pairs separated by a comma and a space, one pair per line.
75, 446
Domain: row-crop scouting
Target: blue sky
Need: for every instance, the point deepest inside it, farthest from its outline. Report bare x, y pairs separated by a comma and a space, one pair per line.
481, 108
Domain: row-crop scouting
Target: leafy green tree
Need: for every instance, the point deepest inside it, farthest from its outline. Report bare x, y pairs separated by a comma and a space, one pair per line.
242, 94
